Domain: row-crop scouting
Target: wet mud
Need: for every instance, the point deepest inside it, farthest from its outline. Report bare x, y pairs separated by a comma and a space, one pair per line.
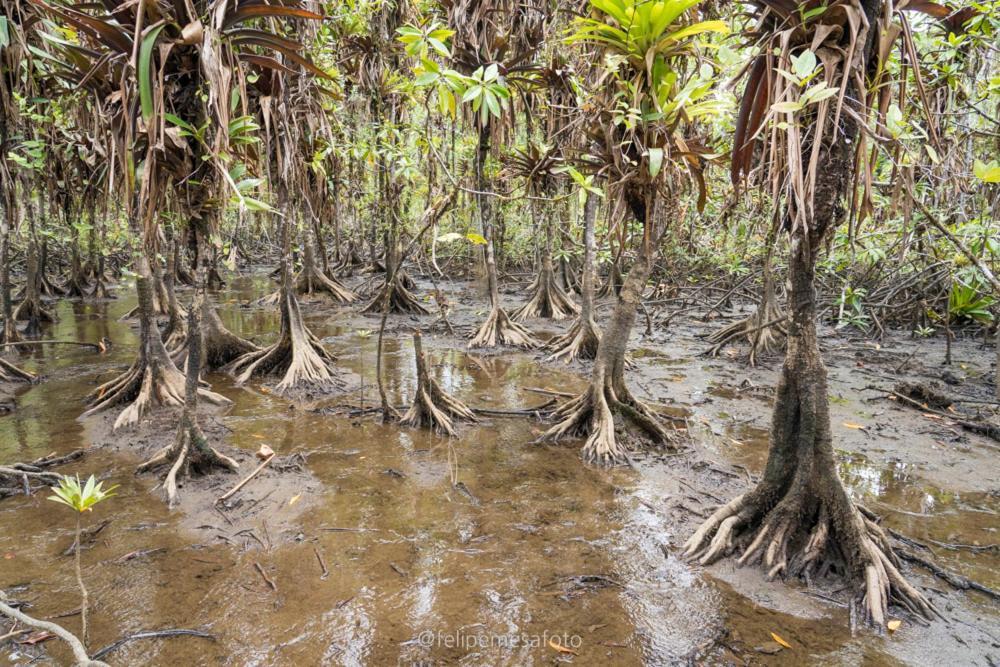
373, 544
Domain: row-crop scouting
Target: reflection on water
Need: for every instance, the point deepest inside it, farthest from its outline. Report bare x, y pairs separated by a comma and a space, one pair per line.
406, 553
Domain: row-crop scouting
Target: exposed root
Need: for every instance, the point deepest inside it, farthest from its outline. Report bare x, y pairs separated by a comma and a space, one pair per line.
432, 407
312, 280
298, 355
100, 290
145, 385
547, 298
401, 300
76, 286
764, 330
613, 284
214, 279
11, 373
31, 310
789, 540
9, 332
592, 414
220, 346
579, 342
499, 329
153, 379
189, 450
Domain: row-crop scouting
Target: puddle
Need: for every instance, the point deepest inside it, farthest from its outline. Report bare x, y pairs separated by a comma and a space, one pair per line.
541, 546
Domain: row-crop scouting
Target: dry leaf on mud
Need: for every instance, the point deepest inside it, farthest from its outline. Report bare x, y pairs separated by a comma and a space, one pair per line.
264, 452
37, 638
294, 499
559, 647
781, 641
768, 648
893, 625
852, 425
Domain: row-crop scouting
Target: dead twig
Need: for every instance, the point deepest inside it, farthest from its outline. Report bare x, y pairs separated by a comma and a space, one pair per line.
270, 582
229, 494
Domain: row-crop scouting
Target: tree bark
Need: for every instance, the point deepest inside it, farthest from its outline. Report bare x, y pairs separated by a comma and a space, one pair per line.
583, 337
593, 413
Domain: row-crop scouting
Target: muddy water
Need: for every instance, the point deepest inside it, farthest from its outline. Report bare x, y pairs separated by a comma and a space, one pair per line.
390, 561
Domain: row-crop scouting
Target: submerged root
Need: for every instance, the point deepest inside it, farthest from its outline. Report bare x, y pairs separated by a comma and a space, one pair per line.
298, 355
143, 386
764, 330
401, 300
547, 299
579, 342
593, 414
190, 449
11, 373
788, 540
432, 407
499, 329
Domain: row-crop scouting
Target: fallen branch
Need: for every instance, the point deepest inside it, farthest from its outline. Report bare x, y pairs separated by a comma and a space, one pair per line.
75, 645
149, 634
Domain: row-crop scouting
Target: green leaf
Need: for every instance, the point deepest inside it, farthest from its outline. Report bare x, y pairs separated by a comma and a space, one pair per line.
988, 173
655, 161
804, 64
786, 107
145, 70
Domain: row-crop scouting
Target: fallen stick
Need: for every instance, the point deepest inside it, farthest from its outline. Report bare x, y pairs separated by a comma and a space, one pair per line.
149, 634
322, 563
982, 428
270, 582
23, 343
75, 645
549, 392
228, 494
526, 412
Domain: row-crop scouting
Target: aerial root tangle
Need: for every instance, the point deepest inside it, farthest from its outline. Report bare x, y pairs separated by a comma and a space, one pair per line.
297, 354
764, 330
593, 414
401, 300
499, 329
146, 384
11, 373
432, 406
579, 342
771, 535
189, 449
547, 299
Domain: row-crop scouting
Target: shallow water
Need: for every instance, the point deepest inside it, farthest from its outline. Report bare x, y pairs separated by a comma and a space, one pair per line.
541, 546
